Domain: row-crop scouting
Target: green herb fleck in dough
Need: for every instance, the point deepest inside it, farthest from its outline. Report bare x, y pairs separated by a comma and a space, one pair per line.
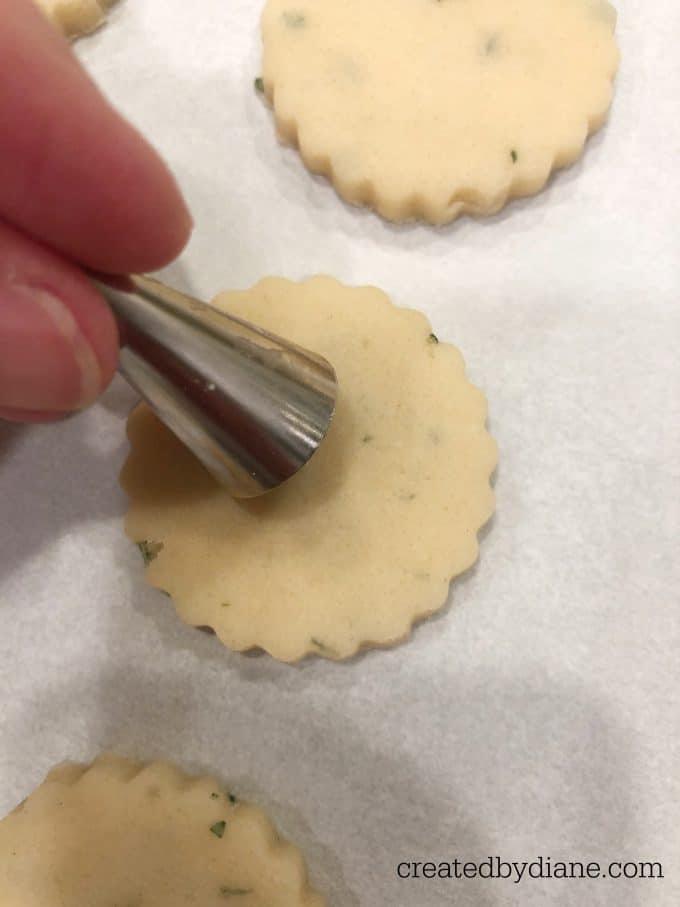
227, 892
149, 550
433, 338
232, 797
259, 84
218, 829
214, 796
322, 647
514, 156
294, 19
366, 439
226, 604
491, 45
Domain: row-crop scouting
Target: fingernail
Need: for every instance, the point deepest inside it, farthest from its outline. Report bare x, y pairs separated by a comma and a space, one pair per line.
46, 362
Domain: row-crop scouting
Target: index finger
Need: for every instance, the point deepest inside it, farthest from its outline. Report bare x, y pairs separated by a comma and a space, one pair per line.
73, 173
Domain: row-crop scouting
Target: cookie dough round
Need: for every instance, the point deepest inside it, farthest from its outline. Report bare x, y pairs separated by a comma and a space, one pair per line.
366, 538
128, 834
434, 108
76, 17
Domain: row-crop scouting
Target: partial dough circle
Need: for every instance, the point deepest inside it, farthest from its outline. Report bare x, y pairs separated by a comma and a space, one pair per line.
123, 833
365, 539
76, 17
434, 108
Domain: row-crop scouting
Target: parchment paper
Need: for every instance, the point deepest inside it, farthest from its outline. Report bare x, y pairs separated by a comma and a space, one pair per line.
539, 713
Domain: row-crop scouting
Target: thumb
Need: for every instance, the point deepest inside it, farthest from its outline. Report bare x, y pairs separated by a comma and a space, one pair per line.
58, 339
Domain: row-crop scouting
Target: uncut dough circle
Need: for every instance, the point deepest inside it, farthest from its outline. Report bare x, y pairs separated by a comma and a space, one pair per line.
434, 108
124, 833
76, 17
366, 538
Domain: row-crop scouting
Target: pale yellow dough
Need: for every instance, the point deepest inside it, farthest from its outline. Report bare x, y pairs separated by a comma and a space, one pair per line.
434, 108
124, 834
365, 539
76, 17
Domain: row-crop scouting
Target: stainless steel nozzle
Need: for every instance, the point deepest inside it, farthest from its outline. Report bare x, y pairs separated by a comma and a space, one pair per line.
252, 407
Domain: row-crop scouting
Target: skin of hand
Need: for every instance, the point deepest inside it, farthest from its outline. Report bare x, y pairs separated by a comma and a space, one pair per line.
77, 184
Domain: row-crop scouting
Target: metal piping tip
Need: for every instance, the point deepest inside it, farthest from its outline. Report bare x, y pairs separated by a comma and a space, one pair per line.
251, 406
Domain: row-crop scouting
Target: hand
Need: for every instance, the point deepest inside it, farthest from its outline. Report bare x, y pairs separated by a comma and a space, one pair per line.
77, 184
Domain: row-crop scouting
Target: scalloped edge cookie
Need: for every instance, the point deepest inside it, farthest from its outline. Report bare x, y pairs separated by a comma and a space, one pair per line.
344, 81
147, 833
366, 539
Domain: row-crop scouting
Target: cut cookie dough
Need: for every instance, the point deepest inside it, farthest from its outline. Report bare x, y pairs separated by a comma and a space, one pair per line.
134, 835
434, 108
76, 17
365, 539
